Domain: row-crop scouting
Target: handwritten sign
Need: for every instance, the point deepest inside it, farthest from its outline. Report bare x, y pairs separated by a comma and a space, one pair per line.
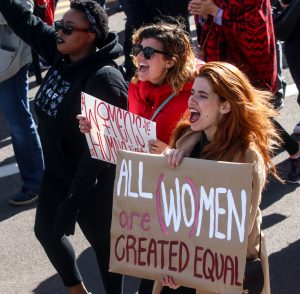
114, 128
189, 222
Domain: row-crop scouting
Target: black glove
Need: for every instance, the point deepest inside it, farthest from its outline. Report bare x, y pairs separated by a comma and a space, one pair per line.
40, 10
66, 216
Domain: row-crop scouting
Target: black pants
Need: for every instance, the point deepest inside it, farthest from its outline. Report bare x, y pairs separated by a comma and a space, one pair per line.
147, 285
289, 144
291, 49
94, 220
141, 12
180, 290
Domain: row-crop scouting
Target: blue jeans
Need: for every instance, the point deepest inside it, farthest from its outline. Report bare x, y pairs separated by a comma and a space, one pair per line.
26, 142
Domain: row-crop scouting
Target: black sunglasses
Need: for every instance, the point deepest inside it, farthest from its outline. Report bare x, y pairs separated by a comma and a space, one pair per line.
148, 52
68, 30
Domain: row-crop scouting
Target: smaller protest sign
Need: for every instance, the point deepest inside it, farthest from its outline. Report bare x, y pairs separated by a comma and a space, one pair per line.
114, 129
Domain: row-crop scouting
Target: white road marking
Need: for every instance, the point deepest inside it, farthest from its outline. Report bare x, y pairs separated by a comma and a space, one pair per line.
291, 90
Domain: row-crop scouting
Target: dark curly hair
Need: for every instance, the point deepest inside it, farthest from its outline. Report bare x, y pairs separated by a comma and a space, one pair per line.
95, 15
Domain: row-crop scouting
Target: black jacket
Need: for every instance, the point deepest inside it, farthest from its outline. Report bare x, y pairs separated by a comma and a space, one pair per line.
58, 100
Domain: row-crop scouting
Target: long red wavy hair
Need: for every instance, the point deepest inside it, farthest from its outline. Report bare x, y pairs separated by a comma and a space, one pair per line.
248, 123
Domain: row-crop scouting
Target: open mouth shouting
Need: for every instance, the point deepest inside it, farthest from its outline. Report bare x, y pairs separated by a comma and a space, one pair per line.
194, 115
143, 67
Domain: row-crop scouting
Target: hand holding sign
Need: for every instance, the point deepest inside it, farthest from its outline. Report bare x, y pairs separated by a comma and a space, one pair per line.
84, 126
157, 146
174, 157
169, 282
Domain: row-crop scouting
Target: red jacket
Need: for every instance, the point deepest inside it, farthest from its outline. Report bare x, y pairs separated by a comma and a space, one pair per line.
245, 39
144, 98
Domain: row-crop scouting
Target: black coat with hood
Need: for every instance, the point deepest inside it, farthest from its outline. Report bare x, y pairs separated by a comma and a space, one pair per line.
58, 100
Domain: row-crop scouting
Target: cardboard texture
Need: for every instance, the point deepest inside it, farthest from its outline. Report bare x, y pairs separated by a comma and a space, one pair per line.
189, 222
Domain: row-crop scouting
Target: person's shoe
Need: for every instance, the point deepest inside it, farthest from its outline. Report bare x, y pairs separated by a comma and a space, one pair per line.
294, 174
24, 197
297, 129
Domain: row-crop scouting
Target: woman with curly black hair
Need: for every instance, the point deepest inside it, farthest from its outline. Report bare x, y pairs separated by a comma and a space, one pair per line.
75, 187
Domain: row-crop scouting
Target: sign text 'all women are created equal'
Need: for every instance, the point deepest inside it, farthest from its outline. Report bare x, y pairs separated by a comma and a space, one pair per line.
190, 222
114, 129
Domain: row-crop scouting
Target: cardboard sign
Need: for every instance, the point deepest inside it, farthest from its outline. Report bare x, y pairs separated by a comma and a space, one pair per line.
189, 222
114, 128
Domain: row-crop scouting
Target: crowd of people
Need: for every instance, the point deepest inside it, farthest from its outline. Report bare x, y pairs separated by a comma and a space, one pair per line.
227, 91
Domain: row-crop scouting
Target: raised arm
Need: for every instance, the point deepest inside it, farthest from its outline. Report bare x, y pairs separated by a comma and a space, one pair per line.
41, 37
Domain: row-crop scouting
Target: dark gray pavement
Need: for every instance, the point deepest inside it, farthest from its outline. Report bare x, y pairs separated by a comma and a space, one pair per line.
24, 267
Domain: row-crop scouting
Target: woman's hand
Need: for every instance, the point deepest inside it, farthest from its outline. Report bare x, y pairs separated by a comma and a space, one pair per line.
203, 7
157, 146
169, 282
174, 157
84, 126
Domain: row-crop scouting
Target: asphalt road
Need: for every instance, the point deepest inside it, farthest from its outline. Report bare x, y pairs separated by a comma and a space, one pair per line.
24, 267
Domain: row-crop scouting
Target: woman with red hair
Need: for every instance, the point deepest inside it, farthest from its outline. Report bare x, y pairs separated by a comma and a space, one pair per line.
229, 120
241, 33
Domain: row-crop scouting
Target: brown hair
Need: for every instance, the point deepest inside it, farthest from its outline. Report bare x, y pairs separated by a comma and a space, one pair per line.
248, 123
177, 43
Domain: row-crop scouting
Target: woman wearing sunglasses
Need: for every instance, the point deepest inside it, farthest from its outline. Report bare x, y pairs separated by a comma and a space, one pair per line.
165, 65
75, 187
